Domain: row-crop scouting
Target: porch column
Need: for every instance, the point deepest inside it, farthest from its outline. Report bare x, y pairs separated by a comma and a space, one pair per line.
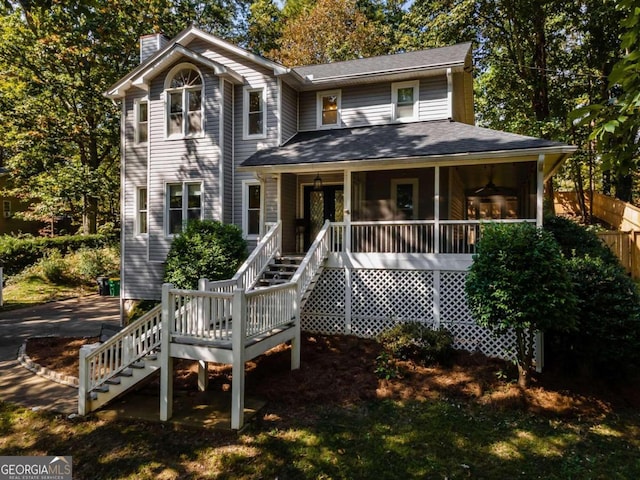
540, 192
347, 211
436, 210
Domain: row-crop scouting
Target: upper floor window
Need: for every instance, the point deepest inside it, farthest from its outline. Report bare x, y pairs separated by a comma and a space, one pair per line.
254, 113
404, 98
184, 203
184, 102
328, 107
142, 121
6, 208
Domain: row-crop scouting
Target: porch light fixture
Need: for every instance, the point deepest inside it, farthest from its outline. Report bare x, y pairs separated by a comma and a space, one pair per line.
317, 183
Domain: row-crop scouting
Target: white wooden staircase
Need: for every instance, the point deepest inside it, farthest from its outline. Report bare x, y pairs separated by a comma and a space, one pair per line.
230, 321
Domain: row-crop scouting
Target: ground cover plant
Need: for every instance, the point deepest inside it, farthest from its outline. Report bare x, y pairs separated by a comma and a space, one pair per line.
335, 418
56, 276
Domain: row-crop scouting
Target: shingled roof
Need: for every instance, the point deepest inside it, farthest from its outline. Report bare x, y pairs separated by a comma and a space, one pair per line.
395, 141
443, 57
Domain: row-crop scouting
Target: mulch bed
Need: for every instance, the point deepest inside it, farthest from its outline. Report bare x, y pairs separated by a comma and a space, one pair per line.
339, 370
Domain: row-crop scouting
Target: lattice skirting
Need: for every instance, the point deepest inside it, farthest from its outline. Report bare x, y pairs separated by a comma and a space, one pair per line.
377, 299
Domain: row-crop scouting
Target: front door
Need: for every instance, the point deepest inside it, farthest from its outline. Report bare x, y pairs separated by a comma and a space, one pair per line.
327, 203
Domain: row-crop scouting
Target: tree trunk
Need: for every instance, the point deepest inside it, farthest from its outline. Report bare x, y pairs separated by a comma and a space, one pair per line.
523, 376
90, 215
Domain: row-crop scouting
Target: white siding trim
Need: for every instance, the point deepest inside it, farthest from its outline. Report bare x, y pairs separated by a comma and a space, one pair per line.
221, 158
449, 93
279, 111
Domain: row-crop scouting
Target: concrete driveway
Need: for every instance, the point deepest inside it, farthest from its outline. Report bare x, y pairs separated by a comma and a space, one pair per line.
77, 317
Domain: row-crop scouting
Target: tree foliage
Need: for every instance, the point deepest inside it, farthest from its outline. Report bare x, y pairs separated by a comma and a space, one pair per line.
329, 31
518, 282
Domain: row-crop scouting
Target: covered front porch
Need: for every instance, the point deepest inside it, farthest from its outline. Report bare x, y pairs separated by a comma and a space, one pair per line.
410, 209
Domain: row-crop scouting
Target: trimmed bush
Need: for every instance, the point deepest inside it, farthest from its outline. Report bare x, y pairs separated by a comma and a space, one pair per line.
206, 249
16, 254
518, 282
576, 240
416, 341
607, 335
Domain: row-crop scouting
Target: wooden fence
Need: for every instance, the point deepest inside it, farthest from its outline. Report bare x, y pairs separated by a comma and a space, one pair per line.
624, 241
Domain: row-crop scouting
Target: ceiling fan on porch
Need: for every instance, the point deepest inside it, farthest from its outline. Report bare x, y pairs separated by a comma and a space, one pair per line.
490, 188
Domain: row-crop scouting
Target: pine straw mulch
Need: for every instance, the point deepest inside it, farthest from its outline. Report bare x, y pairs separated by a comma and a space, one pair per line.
340, 370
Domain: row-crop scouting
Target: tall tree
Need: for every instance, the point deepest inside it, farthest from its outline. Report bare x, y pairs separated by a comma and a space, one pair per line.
332, 30
59, 135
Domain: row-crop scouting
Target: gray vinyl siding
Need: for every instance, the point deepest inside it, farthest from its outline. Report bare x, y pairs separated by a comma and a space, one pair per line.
270, 186
228, 153
255, 76
137, 273
182, 160
371, 104
289, 112
434, 103
368, 105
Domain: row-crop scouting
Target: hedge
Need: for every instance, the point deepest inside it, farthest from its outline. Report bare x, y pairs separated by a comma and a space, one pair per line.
16, 254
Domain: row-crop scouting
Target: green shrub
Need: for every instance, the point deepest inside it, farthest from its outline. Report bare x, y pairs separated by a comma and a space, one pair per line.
54, 267
607, 337
206, 249
576, 240
91, 263
16, 254
416, 341
518, 282
607, 334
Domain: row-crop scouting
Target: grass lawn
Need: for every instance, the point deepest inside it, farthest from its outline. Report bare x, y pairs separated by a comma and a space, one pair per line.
34, 290
380, 439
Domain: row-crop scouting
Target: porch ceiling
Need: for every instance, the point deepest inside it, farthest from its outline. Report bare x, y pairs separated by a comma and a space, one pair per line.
441, 141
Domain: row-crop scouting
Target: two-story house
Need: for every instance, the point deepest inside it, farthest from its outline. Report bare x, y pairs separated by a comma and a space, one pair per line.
384, 149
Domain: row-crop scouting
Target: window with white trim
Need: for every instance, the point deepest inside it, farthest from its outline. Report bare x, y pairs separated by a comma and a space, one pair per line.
142, 211
184, 203
142, 121
404, 98
328, 108
251, 209
183, 92
404, 195
255, 113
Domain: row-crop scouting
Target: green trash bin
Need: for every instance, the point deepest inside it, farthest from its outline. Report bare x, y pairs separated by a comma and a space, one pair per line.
114, 287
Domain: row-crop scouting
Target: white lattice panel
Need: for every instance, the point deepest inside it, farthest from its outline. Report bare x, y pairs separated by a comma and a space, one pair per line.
381, 298
392, 294
327, 297
325, 324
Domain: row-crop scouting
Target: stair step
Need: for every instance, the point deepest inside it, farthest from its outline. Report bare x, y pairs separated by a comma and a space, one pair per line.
138, 364
102, 389
151, 356
114, 381
127, 372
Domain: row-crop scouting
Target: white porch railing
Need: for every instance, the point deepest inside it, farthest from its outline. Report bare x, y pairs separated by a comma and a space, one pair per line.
252, 268
418, 236
330, 237
109, 359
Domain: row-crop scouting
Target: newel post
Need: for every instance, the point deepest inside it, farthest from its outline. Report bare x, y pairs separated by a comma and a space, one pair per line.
166, 361
203, 322
239, 332
83, 382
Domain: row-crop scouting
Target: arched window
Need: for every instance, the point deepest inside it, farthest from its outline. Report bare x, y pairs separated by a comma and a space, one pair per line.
184, 102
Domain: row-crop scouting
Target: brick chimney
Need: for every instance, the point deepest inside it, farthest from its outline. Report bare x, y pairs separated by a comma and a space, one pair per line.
150, 44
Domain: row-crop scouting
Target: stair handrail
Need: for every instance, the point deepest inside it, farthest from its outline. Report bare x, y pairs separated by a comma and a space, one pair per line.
267, 249
312, 261
126, 347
